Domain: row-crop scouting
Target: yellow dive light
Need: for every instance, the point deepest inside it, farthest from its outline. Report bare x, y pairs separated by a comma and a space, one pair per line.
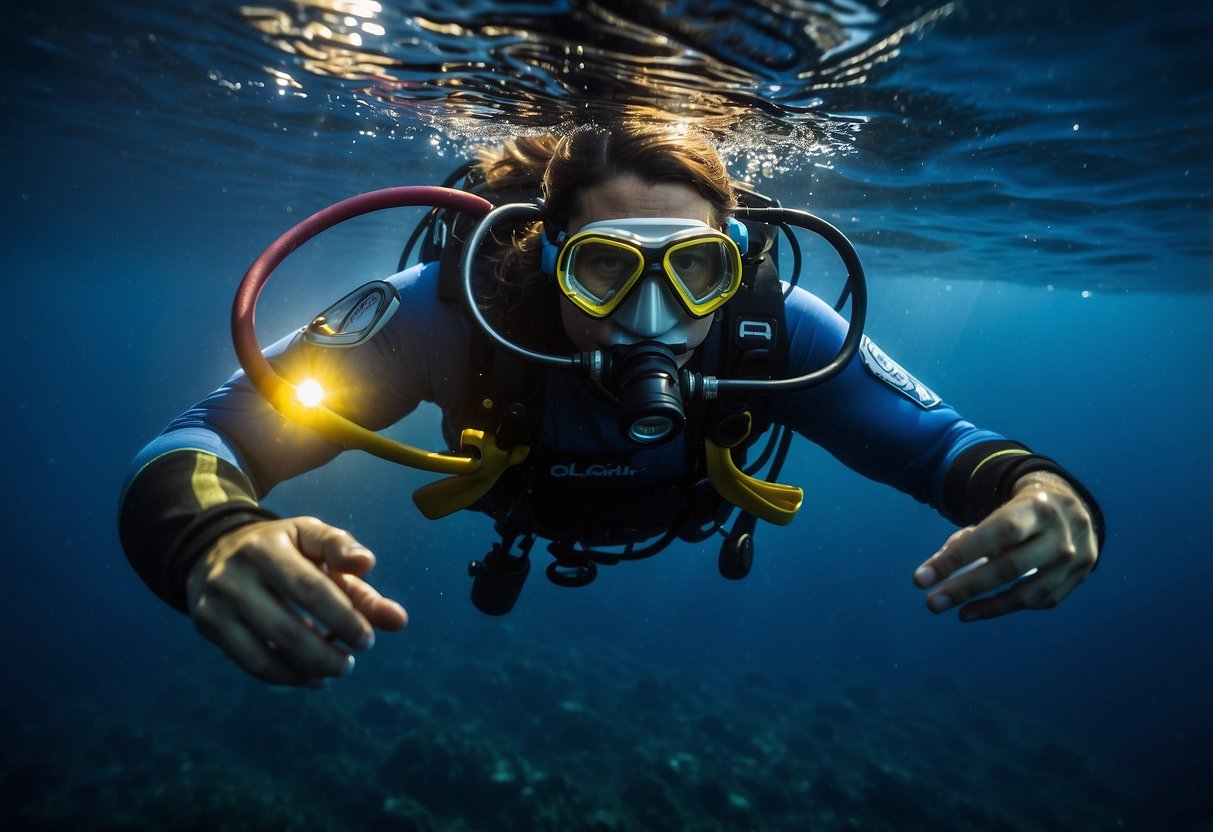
309, 393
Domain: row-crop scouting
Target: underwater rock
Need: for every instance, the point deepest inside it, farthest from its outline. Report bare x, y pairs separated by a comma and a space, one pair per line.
536, 684
455, 776
719, 800
895, 797
602, 820
577, 730
653, 803
476, 680
714, 727
557, 741
773, 795
381, 711
402, 814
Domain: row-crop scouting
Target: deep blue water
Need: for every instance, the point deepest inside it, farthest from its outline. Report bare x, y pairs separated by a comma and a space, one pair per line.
1030, 190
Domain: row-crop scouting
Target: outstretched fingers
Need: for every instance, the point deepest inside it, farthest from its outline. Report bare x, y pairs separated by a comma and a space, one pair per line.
383, 613
1005, 529
1027, 547
1041, 591
313, 585
269, 641
303, 658
332, 547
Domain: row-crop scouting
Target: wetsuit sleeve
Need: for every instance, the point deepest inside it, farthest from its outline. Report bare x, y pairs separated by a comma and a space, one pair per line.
982, 478
207, 473
175, 509
880, 421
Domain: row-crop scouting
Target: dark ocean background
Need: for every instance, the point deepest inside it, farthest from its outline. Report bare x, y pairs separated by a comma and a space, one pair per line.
1029, 185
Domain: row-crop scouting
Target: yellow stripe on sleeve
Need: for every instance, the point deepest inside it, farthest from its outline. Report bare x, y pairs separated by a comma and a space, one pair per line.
996, 455
208, 491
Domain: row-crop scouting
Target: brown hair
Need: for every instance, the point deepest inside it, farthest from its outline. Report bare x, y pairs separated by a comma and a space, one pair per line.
562, 168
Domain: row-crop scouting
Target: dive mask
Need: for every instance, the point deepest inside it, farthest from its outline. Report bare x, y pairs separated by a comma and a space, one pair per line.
599, 267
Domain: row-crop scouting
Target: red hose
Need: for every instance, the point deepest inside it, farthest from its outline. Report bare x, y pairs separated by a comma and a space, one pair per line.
244, 333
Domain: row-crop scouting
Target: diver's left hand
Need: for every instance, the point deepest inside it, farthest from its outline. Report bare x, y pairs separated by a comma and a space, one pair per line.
1044, 529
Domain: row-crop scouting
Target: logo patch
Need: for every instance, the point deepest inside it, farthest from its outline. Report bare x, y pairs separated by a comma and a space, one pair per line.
892, 374
576, 471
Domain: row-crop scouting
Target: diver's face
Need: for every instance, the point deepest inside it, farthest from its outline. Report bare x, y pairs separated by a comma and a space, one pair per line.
622, 198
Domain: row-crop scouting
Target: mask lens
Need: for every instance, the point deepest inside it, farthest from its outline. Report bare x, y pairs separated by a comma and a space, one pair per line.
704, 269
600, 269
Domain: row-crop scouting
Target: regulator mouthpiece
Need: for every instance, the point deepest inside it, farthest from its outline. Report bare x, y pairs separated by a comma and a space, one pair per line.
645, 378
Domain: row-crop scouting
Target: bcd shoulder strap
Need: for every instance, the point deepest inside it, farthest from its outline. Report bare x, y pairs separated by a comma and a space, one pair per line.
754, 328
500, 382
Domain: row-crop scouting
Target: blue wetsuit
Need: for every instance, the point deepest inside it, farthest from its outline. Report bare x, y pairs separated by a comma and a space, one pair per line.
422, 355
872, 417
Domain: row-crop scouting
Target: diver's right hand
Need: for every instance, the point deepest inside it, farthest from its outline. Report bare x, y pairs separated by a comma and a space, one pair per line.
279, 596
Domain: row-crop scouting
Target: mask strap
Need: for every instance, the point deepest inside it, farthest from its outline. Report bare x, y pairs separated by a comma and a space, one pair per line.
739, 234
550, 250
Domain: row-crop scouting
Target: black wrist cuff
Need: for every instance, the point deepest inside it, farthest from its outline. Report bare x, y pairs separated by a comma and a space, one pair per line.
175, 510
983, 477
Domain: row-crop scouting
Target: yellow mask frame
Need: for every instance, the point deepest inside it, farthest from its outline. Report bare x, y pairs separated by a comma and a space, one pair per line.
628, 238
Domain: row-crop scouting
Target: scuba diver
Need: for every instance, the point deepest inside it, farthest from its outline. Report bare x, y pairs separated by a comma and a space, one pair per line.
609, 346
